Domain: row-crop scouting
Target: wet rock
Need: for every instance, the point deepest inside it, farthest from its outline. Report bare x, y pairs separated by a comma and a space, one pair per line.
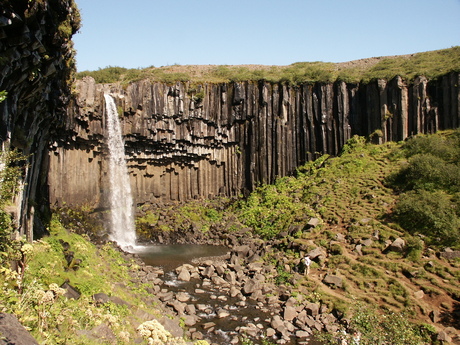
179, 307
222, 313
184, 275
209, 325
182, 296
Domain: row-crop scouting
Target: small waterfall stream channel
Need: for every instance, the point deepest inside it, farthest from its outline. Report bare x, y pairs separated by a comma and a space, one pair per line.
221, 294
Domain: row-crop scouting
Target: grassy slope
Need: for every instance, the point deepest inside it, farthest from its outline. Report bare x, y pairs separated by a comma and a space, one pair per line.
350, 197
430, 64
346, 193
53, 319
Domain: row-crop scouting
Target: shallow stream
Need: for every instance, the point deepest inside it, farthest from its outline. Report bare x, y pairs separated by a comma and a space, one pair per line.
207, 298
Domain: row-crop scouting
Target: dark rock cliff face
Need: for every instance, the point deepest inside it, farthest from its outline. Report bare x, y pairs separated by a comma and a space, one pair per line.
182, 145
36, 63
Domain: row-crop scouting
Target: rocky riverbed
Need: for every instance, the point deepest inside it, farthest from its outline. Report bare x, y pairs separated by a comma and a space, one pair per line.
223, 299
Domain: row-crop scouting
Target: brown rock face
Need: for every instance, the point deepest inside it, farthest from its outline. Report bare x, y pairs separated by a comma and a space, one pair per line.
182, 145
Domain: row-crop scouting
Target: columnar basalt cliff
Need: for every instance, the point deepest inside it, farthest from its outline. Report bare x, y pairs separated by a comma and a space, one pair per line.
188, 141
36, 60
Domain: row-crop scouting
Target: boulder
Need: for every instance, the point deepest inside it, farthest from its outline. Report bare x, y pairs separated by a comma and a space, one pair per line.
278, 324
397, 245
100, 298
208, 272
182, 296
242, 251
312, 309
290, 313
450, 254
333, 280
316, 253
250, 286
190, 320
70, 291
179, 307
230, 277
190, 309
443, 336
435, 316
419, 294
218, 281
12, 332
302, 334
313, 223
366, 242
118, 301
184, 275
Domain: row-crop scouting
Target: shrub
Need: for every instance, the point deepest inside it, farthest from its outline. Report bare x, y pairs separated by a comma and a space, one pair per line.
429, 213
377, 327
414, 249
446, 147
429, 172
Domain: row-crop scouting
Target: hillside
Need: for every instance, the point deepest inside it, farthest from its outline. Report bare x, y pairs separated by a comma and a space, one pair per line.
429, 64
341, 210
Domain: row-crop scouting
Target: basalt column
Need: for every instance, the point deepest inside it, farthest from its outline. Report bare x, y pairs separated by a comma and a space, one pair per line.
188, 141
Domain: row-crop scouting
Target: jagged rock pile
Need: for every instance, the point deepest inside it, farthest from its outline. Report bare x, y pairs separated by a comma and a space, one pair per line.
231, 296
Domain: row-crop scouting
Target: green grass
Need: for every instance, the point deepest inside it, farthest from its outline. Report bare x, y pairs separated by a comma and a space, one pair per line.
430, 64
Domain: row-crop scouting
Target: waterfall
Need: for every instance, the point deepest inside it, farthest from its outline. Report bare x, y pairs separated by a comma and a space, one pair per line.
121, 201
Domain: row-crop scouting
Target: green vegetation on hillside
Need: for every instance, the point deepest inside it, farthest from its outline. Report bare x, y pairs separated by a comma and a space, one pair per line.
430, 182
431, 64
364, 200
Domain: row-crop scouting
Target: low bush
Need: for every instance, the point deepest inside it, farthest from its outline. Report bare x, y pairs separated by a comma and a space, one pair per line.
431, 214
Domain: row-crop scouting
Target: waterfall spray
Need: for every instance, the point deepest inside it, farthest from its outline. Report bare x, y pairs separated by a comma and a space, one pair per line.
121, 201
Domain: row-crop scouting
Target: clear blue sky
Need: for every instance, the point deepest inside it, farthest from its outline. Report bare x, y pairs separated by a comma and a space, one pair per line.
142, 33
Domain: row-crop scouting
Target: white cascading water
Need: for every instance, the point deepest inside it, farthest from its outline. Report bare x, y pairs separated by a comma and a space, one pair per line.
121, 201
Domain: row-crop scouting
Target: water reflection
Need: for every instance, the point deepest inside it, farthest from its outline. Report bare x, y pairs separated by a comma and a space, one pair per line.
171, 256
